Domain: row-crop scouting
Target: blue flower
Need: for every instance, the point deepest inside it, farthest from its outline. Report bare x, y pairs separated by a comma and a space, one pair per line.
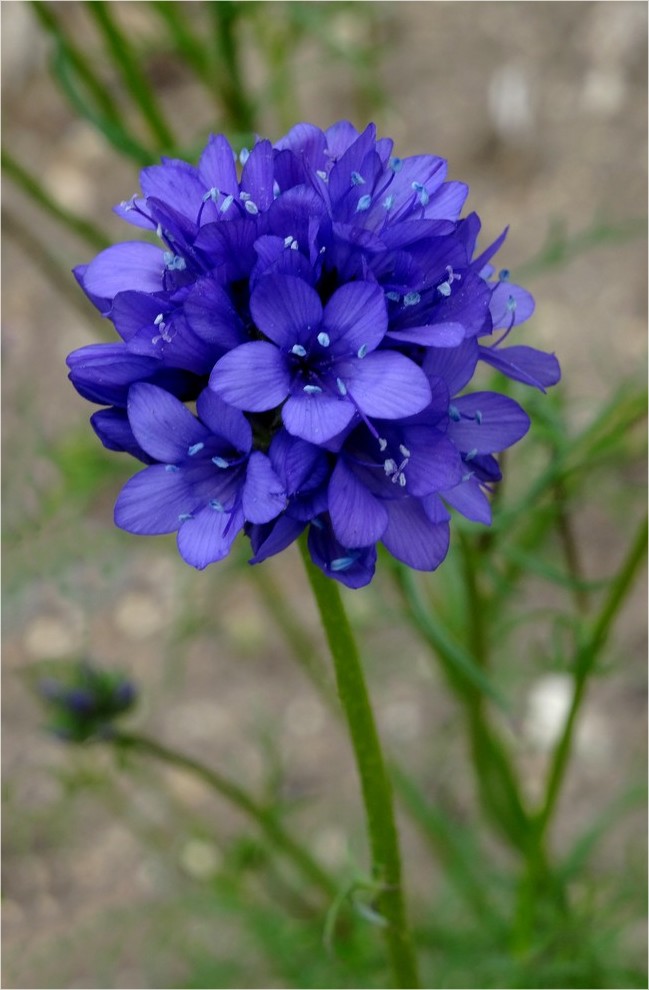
322, 306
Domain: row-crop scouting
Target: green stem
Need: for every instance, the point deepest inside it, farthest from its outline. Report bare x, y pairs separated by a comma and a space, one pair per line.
263, 817
134, 78
34, 189
375, 784
584, 664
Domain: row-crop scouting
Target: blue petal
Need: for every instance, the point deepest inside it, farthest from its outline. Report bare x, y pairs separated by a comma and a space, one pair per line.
272, 538
412, 538
130, 265
152, 501
447, 203
316, 418
386, 384
161, 424
469, 499
351, 567
455, 365
212, 316
257, 176
217, 168
357, 517
174, 182
131, 311
301, 466
510, 305
114, 430
263, 496
489, 422
434, 462
224, 420
524, 364
355, 317
434, 334
208, 536
253, 377
103, 372
286, 309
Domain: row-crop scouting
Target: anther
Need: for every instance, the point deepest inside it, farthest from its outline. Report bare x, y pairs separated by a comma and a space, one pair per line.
411, 299
422, 193
226, 204
478, 416
321, 175
388, 202
174, 262
393, 296
244, 155
312, 389
252, 208
195, 448
404, 450
216, 505
184, 516
471, 454
220, 462
454, 414
444, 289
364, 203
382, 443
342, 388
357, 179
503, 275
390, 466
511, 304
324, 339
362, 351
396, 164
342, 563
298, 350
212, 194
171, 468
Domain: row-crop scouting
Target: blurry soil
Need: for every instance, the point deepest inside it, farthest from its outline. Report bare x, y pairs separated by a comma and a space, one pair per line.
541, 108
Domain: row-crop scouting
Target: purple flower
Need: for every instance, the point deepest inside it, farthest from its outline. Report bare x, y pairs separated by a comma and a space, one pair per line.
323, 361
206, 481
322, 306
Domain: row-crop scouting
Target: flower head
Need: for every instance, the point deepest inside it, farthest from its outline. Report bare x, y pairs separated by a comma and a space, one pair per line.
322, 304
83, 700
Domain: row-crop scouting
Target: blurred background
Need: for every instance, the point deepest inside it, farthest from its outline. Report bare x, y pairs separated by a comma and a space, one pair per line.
109, 880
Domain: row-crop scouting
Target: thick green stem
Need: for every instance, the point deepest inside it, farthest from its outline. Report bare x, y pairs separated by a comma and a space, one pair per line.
375, 784
262, 816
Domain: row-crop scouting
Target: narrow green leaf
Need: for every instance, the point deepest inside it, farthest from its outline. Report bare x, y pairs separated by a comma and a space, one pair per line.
124, 57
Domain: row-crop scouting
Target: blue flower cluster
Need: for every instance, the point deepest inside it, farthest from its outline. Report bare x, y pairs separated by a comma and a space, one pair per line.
292, 354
